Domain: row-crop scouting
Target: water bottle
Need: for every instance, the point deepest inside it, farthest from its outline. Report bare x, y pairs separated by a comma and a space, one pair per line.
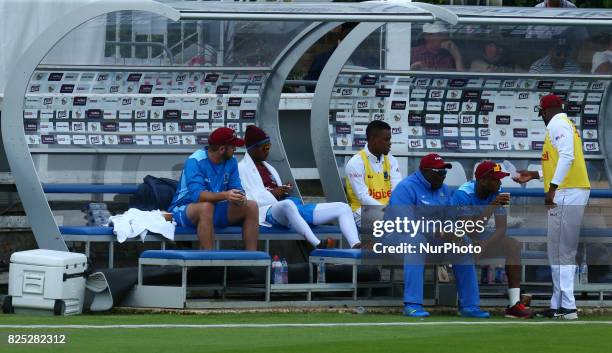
277, 274
285, 271
584, 273
577, 276
499, 275
321, 271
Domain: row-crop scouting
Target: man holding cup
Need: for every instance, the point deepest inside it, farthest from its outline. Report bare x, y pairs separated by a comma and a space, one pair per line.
480, 199
210, 194
567, 188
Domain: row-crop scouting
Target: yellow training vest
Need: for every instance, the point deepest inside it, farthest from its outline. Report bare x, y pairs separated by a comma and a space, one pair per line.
379, 184
577, 176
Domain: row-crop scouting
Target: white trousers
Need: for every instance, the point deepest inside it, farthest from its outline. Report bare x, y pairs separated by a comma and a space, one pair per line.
564, 223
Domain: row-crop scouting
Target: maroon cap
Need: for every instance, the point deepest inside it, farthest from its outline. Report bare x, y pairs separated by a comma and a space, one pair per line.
224, 136
490, 169
434, 161
255, 136
550, 101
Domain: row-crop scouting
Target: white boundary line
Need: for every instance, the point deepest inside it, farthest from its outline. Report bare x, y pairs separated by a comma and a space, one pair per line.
289, 325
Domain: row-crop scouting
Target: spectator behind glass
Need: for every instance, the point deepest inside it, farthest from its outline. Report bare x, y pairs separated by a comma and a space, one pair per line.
555, 3
318, 63
490, 61
437, 52
602, 60
557, 61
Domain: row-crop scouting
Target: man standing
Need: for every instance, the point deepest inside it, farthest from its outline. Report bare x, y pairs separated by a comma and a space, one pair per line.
209, 193
425, 193
480, 199
372, 173
567, 188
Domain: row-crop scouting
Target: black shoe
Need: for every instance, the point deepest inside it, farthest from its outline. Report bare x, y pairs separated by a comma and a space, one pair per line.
566, 314
548, 313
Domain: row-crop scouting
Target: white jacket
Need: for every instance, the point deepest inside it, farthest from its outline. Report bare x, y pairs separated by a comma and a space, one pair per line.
254, 187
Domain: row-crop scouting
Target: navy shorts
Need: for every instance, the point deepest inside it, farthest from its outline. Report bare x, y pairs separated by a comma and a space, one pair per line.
179, 214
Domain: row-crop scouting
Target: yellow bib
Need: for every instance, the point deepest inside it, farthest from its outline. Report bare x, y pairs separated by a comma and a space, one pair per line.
577, 176
379, 184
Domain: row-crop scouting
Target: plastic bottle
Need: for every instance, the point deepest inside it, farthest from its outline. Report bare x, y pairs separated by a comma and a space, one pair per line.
285, 271
277, 275
321, 271
499, 275
584, 273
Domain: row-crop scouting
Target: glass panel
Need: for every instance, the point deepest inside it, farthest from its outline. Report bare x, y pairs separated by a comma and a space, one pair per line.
139, 38
511, 49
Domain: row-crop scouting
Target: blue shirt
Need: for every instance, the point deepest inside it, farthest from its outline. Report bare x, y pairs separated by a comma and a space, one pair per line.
415, 190
200, 174
466, 196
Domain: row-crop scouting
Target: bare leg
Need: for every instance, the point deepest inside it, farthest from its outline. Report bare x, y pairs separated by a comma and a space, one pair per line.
513, 262
248, 214
201, 214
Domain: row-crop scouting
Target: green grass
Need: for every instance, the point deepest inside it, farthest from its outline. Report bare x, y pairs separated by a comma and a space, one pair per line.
439, 338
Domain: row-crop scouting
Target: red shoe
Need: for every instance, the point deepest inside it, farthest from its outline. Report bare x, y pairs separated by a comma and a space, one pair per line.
519, 311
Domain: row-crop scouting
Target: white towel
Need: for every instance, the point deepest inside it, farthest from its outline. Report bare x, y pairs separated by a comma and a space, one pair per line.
254, 187
135, 223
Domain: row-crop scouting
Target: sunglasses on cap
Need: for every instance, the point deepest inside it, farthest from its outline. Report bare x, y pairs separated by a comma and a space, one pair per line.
441, 172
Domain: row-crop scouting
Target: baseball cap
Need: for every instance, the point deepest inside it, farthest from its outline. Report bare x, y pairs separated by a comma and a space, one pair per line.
436, 27
550, 101
490, 168
224, 136
434, 161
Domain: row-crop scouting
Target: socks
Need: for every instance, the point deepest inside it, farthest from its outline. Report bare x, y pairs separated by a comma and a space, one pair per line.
514, 296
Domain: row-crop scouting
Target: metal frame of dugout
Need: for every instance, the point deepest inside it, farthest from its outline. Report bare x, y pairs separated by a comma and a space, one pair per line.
322, 19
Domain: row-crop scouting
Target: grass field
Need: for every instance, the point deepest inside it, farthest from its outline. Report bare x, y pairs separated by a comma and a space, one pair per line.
370, 333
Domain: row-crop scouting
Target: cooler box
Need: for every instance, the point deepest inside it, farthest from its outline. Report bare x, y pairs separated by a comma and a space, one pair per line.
46, 281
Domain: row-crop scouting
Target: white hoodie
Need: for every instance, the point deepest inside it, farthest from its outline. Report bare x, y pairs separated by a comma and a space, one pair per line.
254, 187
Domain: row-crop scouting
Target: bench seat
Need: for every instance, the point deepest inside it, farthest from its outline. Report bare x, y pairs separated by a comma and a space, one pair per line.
226, 255
166, 296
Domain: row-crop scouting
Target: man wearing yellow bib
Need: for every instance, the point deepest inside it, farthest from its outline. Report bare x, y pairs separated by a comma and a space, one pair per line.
567, 188
372, 173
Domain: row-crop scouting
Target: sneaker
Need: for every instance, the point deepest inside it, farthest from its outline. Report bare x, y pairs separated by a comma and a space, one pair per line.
518, 311
412, 310
474, 312
548, 313
328, 243
566, 314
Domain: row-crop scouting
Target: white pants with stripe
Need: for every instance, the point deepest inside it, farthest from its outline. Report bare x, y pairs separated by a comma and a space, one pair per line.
564, 223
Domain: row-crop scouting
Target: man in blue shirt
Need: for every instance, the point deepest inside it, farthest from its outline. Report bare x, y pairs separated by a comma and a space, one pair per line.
480, 199
425, 189
210, 194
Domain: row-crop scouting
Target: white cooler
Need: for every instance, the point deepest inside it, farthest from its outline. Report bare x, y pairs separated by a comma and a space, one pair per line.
46, 281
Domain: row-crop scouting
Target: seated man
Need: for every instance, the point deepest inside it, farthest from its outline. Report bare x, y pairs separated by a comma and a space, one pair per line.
491, 59
424, 191
372, 173
557, 61
263, 184
602, 60
209, 192
437, 52
479, 199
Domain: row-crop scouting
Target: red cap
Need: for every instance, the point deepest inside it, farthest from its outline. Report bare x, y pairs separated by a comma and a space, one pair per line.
255, 136
550, 101
490, 169
433, 160
224, 136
